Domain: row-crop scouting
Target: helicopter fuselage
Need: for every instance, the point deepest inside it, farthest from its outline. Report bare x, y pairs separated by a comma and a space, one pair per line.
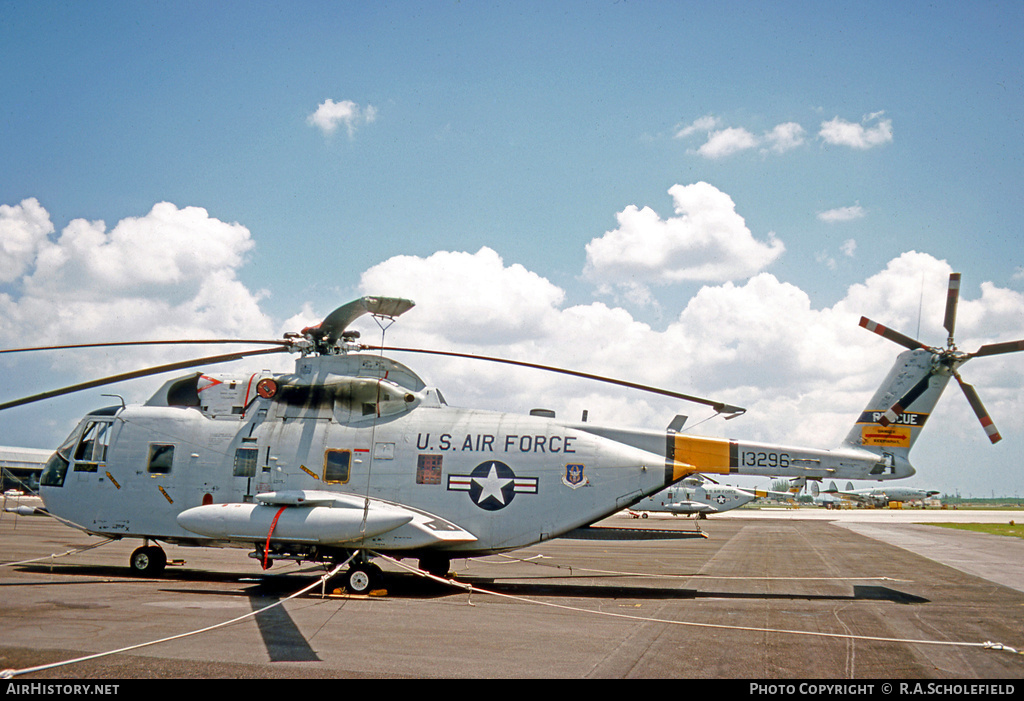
356, 452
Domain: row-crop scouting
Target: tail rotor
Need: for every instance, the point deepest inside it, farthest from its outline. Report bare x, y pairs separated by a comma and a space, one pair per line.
945, 361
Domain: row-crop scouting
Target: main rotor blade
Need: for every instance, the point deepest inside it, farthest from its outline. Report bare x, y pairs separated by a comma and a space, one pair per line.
156, 370
979, 409
178, 341
886, 332
719, 407
905, 401
952, 298
997, 348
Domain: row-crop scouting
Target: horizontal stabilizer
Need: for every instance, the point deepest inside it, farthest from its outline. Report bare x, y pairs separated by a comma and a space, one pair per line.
592, 533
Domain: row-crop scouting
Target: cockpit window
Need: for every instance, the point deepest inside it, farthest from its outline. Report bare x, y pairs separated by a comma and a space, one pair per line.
92, 448
57, 466
54, 472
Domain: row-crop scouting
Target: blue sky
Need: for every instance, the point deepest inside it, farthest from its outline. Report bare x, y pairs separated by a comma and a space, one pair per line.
511, 164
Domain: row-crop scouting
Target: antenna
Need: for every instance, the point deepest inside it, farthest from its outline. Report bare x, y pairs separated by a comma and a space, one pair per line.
920, 303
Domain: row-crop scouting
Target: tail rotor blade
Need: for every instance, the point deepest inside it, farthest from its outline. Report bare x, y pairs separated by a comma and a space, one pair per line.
979, 409
997, 348
895, 336
952, 298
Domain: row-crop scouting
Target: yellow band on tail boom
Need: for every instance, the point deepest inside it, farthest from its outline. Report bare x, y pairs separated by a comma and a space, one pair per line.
685, 455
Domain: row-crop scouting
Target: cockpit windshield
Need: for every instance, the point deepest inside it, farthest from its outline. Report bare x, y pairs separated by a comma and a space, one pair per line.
57, 466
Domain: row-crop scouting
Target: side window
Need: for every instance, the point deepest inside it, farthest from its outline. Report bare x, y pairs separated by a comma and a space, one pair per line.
336, 466
161, 457
428, 469
92, 448
245, 462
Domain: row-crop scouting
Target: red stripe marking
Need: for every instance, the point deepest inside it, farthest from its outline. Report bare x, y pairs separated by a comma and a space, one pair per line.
273, 525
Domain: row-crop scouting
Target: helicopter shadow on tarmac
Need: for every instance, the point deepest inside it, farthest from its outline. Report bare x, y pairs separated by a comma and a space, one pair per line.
285, 642
411, 586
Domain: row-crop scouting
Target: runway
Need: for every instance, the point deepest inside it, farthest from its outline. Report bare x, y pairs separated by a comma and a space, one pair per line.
804, 594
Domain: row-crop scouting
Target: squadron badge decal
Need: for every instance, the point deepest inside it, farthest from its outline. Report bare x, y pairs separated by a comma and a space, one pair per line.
492, 485
574, 476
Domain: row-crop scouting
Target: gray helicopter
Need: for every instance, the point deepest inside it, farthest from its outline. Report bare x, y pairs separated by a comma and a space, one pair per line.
353, 455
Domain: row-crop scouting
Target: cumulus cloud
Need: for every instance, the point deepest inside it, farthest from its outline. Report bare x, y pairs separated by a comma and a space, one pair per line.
804, 371
484, 301
330, 115
476, 303
842, 214
721, 143
169, 274
872, 131
167, 251
726, 142
23, 229
703, 124
706, 240
784, 137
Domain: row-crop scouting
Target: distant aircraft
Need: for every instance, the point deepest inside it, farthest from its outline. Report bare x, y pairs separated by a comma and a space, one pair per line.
794, 486
693, 496
878, 496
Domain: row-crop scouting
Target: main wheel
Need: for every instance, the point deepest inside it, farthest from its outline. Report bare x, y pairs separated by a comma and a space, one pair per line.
437, 565
363, 578
148, 561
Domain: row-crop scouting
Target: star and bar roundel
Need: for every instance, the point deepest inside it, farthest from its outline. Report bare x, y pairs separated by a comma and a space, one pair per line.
492, 485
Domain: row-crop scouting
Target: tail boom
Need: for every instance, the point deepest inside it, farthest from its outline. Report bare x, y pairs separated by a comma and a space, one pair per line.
689, 454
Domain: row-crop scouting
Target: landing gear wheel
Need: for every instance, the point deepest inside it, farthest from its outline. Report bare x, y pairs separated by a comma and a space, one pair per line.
436, 565
148, 561
363, 578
